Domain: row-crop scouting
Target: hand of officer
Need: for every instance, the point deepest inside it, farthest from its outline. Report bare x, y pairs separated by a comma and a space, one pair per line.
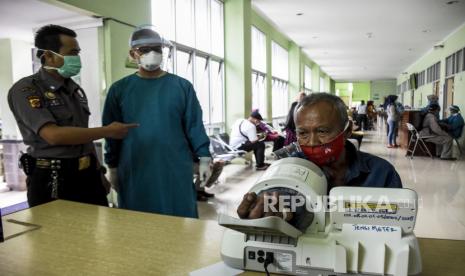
253, 206
117, 130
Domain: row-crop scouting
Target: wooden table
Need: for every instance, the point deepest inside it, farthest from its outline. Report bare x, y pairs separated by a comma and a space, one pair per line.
80, 239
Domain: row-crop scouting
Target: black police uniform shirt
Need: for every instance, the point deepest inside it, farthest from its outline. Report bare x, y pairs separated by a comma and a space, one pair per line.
40, 99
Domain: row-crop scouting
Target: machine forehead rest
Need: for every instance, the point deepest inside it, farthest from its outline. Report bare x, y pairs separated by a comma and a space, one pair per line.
273, 226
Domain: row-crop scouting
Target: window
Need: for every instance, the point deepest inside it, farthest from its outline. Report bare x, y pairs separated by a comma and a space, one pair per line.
259, 93
202, 26
322, 84
196, 29
458, 61
185, 23
202, 86
217, 31
437, 71
184, 65
216, 94
307, 78
404, 86
163, 17
280, 63
280, 98
463, 59
258, 50
259, 71
433, 72
450, 65
280, 77
421, 78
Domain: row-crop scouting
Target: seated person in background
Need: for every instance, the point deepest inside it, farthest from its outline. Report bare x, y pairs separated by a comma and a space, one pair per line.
454, 123
432, 99
244, 137
290, 125
441, 138
322, 123
270, 134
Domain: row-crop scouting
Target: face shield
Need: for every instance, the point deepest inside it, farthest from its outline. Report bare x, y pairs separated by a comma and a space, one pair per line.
151, 50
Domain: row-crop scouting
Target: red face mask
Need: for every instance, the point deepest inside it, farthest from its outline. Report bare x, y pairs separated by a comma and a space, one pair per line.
326, 153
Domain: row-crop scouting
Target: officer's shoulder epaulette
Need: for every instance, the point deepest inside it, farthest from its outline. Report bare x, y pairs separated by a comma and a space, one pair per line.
25, 84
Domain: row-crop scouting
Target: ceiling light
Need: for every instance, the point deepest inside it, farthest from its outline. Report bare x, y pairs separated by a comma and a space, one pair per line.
452, 2
369, 34
299, 14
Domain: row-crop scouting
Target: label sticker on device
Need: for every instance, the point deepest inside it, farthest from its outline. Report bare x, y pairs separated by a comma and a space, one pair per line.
284, 262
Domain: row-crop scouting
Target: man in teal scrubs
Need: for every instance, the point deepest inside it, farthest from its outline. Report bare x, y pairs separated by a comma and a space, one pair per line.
152, 168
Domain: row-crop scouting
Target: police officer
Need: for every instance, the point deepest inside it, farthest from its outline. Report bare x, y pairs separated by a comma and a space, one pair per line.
52, 113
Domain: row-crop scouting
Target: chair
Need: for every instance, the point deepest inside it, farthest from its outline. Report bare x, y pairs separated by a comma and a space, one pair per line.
417, 139
462, 131
221, 150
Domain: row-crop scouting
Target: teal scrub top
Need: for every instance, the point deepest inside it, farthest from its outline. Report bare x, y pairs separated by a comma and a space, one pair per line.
155, 160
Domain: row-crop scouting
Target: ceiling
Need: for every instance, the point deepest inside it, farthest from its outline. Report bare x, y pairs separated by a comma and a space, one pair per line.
361, 40
18, 18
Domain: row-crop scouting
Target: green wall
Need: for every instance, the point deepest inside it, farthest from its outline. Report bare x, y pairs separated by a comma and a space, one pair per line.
238, 66
360, 90
454, 42
115, 35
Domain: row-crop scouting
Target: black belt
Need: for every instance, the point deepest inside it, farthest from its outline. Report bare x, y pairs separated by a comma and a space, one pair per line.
81, 163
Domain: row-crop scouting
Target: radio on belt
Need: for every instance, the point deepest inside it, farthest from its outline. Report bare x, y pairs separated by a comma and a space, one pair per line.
361, 237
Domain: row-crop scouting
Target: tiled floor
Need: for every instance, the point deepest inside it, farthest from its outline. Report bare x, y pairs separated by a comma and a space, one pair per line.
440, 186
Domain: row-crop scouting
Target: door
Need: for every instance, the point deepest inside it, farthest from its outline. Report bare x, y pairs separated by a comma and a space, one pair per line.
448, 95
436, 89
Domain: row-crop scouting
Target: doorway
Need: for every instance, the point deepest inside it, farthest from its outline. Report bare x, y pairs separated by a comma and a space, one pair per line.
448, 95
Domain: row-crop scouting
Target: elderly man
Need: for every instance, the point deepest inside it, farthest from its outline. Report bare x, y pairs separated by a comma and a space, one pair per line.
441, 139
152, 167
454, 123
322, 128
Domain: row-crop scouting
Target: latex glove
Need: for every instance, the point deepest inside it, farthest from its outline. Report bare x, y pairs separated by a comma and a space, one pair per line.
113, 177
205, 170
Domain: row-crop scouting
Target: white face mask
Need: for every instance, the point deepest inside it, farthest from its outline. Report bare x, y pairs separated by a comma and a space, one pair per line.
150, 61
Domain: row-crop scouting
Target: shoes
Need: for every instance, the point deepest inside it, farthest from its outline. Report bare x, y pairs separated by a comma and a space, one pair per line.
449, 158
203, 196
390, 146
263, 167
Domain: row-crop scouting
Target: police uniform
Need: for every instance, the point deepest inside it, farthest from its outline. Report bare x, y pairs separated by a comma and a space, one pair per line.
62, 171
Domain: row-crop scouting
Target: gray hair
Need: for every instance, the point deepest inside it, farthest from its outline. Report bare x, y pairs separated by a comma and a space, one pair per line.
335, 101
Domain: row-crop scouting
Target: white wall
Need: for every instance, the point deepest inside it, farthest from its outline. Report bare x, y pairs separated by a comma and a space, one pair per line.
91, 79
16, 63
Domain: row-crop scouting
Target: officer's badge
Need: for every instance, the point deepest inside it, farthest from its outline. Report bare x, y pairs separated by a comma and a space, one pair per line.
34, 101
50, 95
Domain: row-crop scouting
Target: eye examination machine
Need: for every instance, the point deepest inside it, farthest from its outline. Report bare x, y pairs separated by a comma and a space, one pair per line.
353, 231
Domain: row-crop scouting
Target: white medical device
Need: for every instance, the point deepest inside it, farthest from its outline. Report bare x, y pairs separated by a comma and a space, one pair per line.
364, 231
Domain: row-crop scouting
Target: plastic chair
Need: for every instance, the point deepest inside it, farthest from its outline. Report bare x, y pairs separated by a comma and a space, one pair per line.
417, 139
221, 150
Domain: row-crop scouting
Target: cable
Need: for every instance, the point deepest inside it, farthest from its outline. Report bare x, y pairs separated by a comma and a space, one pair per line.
268, 261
